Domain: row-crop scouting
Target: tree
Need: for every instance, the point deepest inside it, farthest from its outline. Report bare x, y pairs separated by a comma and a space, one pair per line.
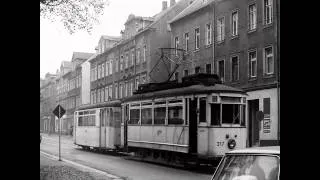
74, 14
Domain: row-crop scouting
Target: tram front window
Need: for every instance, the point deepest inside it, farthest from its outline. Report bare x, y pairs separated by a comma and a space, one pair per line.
230, 114
215, 114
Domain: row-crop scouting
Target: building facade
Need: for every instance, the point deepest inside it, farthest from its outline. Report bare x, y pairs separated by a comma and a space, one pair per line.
238, 40
47, 103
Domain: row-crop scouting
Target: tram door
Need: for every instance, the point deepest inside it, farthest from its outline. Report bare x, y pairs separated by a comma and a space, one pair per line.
193, 126
253, 129
102, 127
125, 122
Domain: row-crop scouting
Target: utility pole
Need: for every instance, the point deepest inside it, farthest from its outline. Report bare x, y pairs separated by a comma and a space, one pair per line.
59, 136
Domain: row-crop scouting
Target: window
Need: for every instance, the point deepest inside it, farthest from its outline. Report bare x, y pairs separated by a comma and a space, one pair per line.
208, 34
203, 107
266, 108
144, 53
221, 70
116, 91
175, 115
186, 37
106, 94
252, 64
215, 114
98, 95
176, 76
116, 69
138, 56
110, 92
102, 70
197, 70
99, 71
208, 68
127, 61
176, 45
267, 7
220, 29
252, 17
94, 97
186, 72
134, 116
231, 114
110, 69
268, 60
235, 68
197, 38
107, 68
234, 23
146, 115
131, 87
121, 63
91, 100
102, 94
137, 82
159, 112
120, 90
126, 89
132, 57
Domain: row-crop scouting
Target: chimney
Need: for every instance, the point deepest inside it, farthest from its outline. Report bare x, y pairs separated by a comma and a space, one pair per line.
164, 5
172, 2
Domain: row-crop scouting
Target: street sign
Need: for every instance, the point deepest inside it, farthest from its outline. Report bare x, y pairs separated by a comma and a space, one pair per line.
59, 111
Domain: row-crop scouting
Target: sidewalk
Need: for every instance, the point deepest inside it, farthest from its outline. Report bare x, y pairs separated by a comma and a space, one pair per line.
54, 135
51, 169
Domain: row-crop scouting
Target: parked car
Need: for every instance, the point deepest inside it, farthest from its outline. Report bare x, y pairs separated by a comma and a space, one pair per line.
258, 163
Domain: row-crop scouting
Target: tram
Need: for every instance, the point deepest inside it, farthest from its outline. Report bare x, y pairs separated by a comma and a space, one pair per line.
196, 120
98, 126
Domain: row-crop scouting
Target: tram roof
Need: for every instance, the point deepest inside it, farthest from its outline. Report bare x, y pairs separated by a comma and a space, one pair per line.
115, 103
193, 89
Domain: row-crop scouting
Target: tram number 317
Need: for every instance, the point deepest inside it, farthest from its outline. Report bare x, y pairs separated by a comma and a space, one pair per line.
220, 143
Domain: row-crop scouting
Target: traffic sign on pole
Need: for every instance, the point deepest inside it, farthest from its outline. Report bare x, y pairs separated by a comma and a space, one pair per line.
59, 112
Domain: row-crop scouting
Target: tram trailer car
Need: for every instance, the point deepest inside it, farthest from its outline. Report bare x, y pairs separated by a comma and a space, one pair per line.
98, 126
197, 120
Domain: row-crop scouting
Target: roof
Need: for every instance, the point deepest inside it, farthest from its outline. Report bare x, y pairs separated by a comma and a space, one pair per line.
194, 89
113, 38
114, 103
257, 150
193, 7
81, 55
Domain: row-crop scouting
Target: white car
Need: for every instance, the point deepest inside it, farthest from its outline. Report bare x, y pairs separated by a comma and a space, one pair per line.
258, 163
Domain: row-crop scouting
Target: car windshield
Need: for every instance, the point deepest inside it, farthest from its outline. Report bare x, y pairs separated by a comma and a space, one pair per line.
248, 167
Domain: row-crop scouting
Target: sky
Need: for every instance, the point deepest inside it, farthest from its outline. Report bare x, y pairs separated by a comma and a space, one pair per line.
57, 45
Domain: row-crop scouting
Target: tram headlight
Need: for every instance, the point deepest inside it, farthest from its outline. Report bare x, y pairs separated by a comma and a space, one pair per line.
232, 144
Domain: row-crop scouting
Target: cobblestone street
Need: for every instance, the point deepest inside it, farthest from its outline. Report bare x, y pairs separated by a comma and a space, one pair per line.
53, 169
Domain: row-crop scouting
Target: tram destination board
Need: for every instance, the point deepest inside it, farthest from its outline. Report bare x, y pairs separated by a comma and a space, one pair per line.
56, 111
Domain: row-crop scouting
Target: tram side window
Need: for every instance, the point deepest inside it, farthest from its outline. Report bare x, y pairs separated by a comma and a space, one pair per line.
202, 110
175, 115
80, 121
146, 116
134, 116
159, 115
215, 114
230, 114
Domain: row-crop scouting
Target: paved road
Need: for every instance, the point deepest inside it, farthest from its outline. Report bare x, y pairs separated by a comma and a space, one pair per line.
118, 166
